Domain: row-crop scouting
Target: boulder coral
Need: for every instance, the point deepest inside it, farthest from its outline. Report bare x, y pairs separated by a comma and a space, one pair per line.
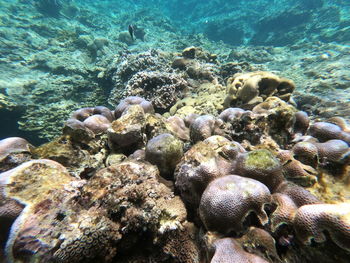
311, 221
228, 200
262, 166
178, 127
295, 170
246, 90
94, 119
128, 132
229, 250
204, 162
48, 180
13, 152
132, 185
165, 151
205, 126
325, 131
301, 122
132, 100
330, 152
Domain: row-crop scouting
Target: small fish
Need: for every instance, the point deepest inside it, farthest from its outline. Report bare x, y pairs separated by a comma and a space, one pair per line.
131, 31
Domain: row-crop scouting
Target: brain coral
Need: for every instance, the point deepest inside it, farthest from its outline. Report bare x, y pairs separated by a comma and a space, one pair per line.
205, 126
260, 165
95, 119
325, 131
296, 171
311, 221
14, 151
228, 200
229, 250
205, 161
132, 100
301, 123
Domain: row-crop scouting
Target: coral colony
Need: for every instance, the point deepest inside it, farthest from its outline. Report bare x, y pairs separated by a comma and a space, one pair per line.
174, 131
242, 177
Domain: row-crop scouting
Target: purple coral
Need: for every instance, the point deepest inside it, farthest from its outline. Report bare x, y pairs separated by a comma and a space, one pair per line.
206, 126
311, 221
229, 250
228, 200
133, 100
94, 119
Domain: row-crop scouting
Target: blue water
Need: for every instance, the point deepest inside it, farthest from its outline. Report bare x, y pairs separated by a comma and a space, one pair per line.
49, 47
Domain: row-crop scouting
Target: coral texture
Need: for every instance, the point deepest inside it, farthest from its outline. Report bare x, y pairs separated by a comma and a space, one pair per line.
245, 90
228, 200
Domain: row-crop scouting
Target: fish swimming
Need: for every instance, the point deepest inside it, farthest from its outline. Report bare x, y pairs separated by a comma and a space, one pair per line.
131, 31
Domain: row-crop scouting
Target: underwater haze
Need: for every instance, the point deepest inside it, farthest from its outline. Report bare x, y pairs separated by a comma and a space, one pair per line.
51, 50
175, 131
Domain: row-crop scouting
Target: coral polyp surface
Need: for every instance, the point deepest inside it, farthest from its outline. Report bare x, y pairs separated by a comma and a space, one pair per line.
204, 162
311, 221
14, 151
228, 200
229, 250
260, 165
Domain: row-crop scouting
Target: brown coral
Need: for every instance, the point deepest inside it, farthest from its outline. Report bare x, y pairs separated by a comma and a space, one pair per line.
246, 90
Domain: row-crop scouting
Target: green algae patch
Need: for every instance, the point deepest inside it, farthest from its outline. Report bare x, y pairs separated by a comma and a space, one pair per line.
262, 159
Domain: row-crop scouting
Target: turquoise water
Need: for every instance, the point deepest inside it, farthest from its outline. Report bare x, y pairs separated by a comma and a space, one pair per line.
51, 49
238, 104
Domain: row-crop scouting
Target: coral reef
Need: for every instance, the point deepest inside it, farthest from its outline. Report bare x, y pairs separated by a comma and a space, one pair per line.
208, 156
